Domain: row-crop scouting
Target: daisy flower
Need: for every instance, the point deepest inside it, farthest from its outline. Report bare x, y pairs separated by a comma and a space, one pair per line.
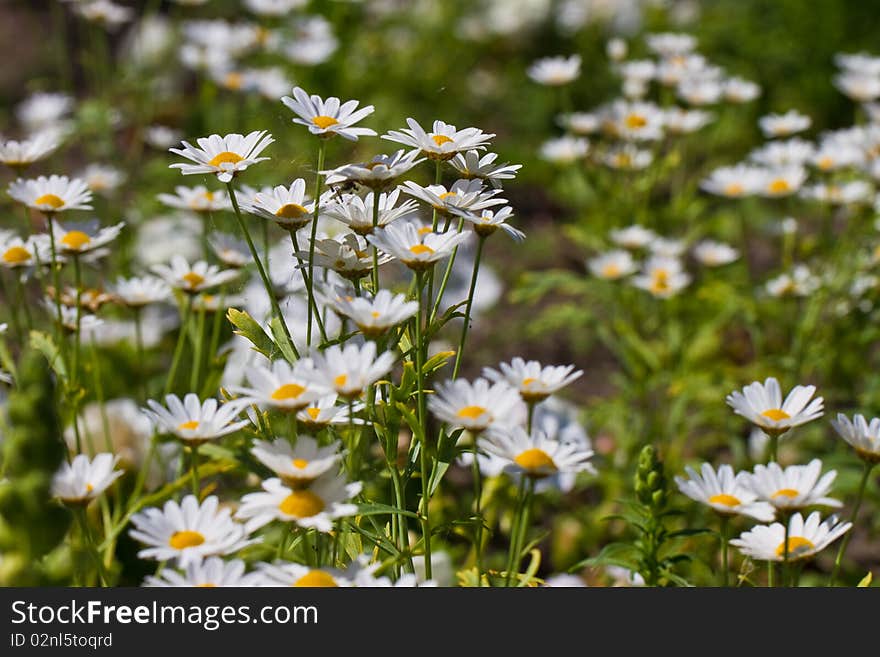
725, 492
194, 278
662, 276
857, 86
473, 164
564, 150
42, 110
738, 90
855, 191
682, 122
761, 404
230, 250
782, 182
20, 154
534, 455
281, 385
357, 213
733, 182
488, 221
534, 381
298, 575
286, 206
209, 573
195, 199
805, 538
138, 292
476, 406
348, 255
800, 283
795, 487
834, 155
374, 316
666, 247
325, 412
193, 421
616, 49
84, 479
297, 466
416, 247
317, 506
555, 71
633, 237
783, 153
188, 531
580, 123
634, 121
87, 322
16, 252
627, 157
102, 178
714, 254
864, 437
612, 265
224, 156
378, 174
700, 90
444, 140
326, 118
351, 369
784, 125
52, 194
84, 239
670, 44
468, 195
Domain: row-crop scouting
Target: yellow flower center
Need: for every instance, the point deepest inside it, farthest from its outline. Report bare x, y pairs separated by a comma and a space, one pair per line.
528, 381
376, 314
51, 200
660, 281
446, 195
89, 488
622, 160
206, 585
725, 499
635, 121
535, 459
734, 189
301, 504
288, 391
441, 139
797, 545
16, 255
420, 249
779, 186
826, 162
471, 412
184, 539
313, 412
425, 230
611, 271
790, 493
192, 425
75, 239
324, 122
226, 157
316, 578
234, 80
300, 463
291, 211
340, 380
776, 414
193, 279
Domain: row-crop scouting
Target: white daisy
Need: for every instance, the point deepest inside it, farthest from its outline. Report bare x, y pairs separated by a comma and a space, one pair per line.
326, 118
230, 250
209, 573
738, 90
444, 140
377, 174
715, 254
476, 406
317, 506
16, 252
805, 538
627, 157
488, 221
161, 137
667, 247
733, 182
857, 86
662, 276
835, 155
357, 213
374, 316
861, 62
700, 90
534, 381
682, 122
84, 479
564, 150
470, 195
633, 237
195, 199
799, 283
419, 248
535, 456
634, 121
724, 492
670, 44
783, 153
137, 292
864, 437
84, 239
19, 154
612, 265
348, 255
295, 574
580, 123
784, 125
281, 385
349, 370
855, 191
297, 466
762, 404
555, 71
188, 531
473, 164
224, 156
795, 487
326, 412
102, 178
286, 206
42, 110
52, 194
87, 321
194, 421
637, 71
195, 278
782, 182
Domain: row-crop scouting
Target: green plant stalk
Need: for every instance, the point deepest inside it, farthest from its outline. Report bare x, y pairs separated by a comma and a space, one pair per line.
89, 544
256, 257
313, 305
784, 575
22, 300
423, 423
520, 526
196, 371
375, 249
194, 463
62, 345
855, 512
478, 512
139, 344
178, 349
322, 145
725, 568
467, 311
77, 338
445, 281
16, 325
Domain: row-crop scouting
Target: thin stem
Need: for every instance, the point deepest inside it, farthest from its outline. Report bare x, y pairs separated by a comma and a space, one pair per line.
266, 282
194, 461
197, 357
725, 570
89, 543
446, 276
478, 512
423, 448
467, 311
178, 349
307, 277
139, 342
855, 512
22, 300
57, 283
782, 579
77, 274
375, 249
322, 145
513, 555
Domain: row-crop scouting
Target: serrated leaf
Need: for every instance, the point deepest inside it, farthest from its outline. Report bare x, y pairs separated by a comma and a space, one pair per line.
248, 327
281, 340
44, 343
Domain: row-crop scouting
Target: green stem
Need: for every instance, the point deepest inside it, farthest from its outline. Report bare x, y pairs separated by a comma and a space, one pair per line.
139, 343
89, 544
194, 454
515, 530
375, 250
22, 300
783, 577
478, 513
725, 527
445, 281
467, 311
266, 282
74, 370
423, 422
62, 344
855, 512
197, 357
307, 277
178, 349
322, 145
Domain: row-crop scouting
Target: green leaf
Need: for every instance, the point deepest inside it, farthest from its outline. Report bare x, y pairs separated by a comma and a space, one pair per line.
376, 509
246, 326
44, 343
281, 340
866, 581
